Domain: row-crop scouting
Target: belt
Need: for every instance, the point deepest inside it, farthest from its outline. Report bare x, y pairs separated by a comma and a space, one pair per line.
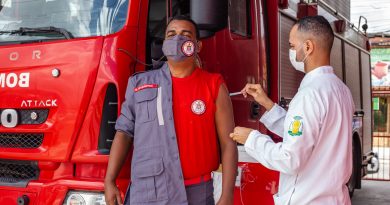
197, 180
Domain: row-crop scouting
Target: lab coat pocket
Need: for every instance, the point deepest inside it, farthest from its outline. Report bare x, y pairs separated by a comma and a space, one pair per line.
148, 182
146, 105
283, 199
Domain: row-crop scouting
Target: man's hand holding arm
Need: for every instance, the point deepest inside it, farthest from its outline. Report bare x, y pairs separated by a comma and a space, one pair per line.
241, 134
225, 123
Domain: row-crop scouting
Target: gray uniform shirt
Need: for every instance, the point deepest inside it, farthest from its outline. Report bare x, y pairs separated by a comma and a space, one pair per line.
147, 115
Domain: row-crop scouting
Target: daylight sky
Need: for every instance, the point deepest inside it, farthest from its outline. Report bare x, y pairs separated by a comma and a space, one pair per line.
377, 13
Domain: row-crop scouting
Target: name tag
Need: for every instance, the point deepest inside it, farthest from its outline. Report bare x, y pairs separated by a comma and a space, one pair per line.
145, 87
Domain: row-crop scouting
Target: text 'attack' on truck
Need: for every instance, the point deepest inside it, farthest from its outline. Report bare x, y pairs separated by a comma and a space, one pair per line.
65, 64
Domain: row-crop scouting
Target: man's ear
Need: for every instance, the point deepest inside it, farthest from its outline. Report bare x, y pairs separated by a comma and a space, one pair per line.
308, 47
200, 45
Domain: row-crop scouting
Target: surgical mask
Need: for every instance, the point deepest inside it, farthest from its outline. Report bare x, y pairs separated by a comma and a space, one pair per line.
299, 66
179, 48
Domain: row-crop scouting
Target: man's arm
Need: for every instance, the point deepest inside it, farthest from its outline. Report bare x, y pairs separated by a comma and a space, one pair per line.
120, 146
301, 131
119, 150
225, 124
273, 119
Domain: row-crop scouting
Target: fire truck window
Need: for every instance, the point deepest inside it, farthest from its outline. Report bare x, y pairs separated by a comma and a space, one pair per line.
157, 24
80, 18
180, 7
156, 27
157, 18
240, 17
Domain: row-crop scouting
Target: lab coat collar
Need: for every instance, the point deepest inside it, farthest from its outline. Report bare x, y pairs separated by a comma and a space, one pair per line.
315, 72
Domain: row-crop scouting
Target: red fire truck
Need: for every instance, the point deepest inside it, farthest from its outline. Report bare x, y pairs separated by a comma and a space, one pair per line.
64, 66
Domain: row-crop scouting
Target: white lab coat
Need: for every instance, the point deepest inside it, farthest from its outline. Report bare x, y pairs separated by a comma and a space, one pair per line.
315, 157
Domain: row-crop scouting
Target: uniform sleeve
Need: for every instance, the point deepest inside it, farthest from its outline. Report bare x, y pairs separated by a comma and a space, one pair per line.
273, 120
302, 126
125, 121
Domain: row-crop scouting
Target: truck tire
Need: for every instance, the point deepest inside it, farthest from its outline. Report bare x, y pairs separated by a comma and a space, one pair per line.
355, 176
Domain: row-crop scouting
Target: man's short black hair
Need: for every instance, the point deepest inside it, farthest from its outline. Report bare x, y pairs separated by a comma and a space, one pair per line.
318, 27
185, 18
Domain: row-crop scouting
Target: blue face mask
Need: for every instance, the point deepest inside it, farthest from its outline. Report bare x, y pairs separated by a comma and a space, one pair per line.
179, 48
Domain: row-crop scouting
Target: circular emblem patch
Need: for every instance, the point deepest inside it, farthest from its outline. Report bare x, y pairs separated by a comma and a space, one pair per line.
198, 107
188, 48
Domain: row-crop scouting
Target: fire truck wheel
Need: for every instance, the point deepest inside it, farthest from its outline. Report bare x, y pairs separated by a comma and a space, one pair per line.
355, 168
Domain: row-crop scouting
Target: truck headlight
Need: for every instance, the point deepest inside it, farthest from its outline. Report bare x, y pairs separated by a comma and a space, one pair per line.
84, 198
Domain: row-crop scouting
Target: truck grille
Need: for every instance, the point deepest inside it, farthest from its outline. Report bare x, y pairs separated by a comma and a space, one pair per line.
17, 173
31, 117
21, 140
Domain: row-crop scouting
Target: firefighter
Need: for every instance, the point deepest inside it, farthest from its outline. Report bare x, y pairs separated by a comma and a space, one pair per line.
315, 157
178, 118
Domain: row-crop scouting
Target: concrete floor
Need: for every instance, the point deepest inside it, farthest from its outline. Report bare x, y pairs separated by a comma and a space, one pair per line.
372, 193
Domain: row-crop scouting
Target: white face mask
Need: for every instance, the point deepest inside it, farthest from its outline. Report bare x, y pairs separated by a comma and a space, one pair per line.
299, 66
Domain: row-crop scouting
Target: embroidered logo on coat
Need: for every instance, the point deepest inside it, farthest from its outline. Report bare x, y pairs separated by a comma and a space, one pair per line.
145, 86
198, 107
188, 48
295, 128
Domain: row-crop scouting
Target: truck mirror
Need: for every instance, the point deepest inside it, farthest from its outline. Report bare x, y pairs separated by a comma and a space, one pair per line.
210, 15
